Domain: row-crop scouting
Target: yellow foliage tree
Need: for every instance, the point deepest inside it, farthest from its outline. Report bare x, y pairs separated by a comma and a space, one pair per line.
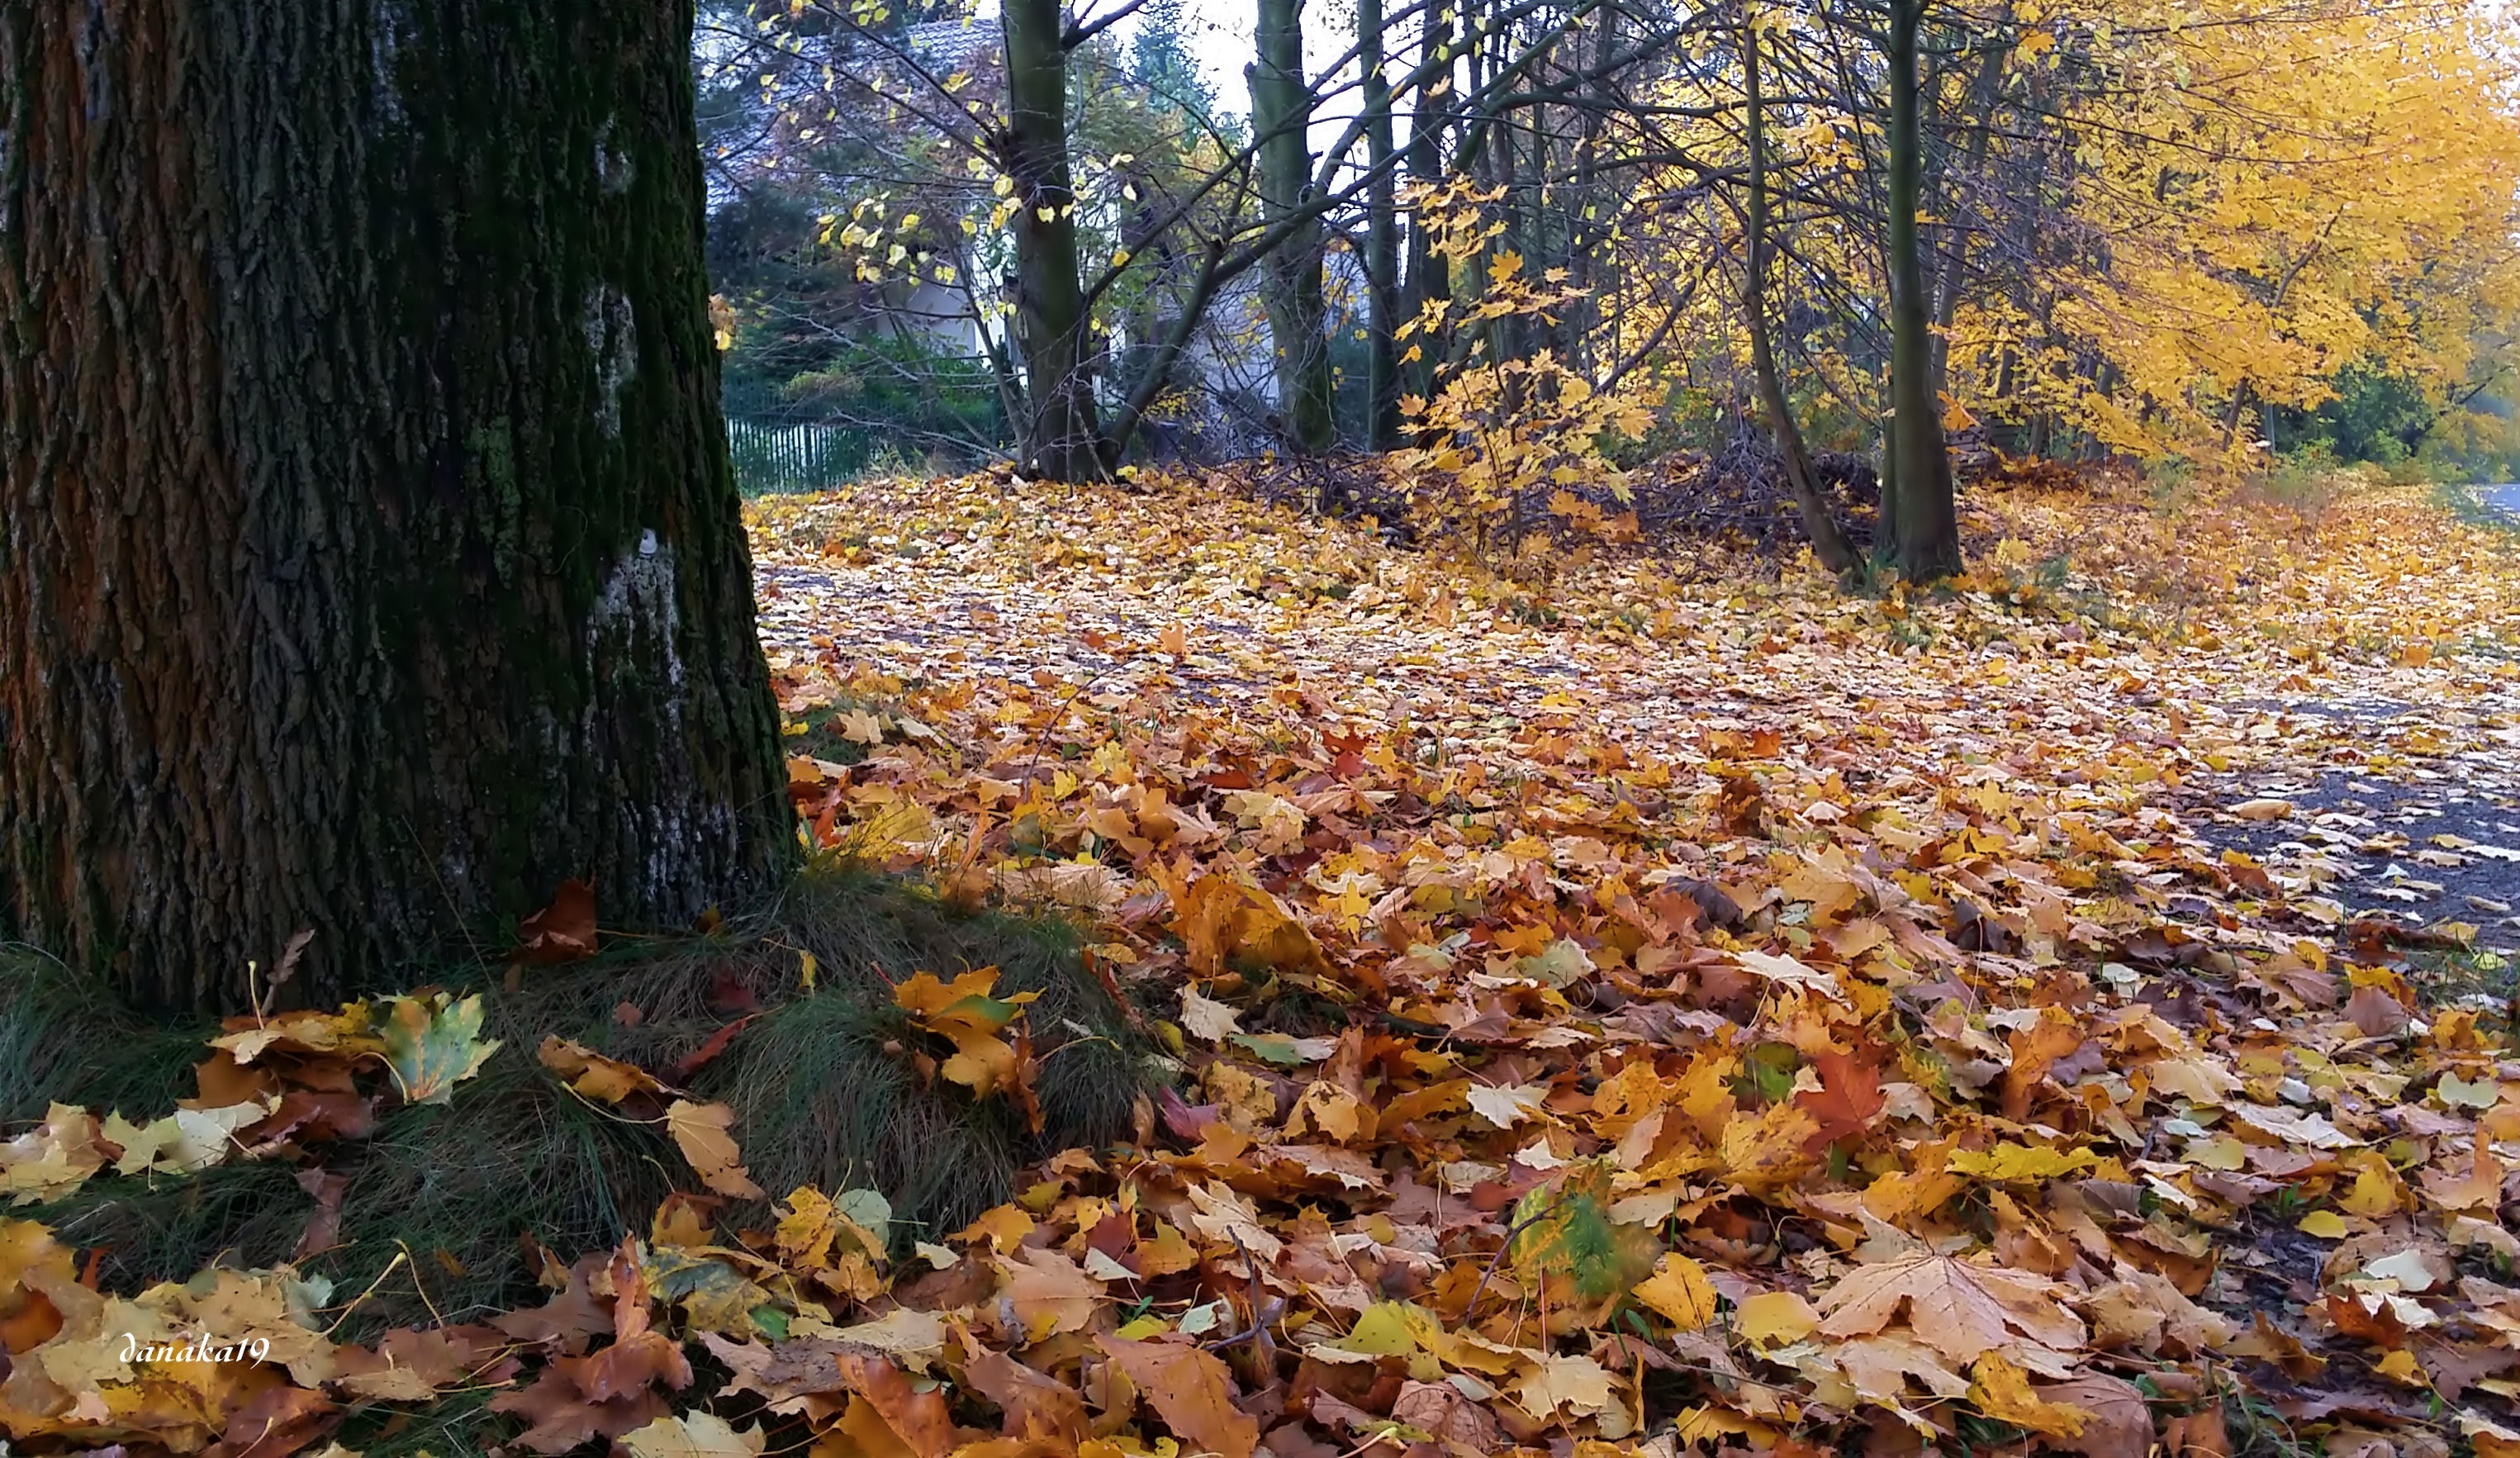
2259, 196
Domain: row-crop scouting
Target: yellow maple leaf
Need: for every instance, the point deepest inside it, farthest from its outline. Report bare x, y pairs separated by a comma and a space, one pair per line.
1776, 1318
1679, 1291
2001, 1392
2008, 1163
699, 1131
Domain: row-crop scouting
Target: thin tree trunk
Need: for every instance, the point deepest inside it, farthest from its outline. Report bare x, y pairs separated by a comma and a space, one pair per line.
1298, 314
1952, 271
1926, 518
1381, 238
1060, 435
1827, 539
1429, 272
370, 560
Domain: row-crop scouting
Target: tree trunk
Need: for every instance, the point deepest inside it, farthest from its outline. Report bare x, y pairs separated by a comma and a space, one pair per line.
1819, 523
1429, 272
1953, 270
1058, 436
1281, 108
370, 560
1381, 238
1926, 524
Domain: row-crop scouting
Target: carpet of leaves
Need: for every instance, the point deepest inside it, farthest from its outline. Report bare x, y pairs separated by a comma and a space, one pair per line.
1618, 1003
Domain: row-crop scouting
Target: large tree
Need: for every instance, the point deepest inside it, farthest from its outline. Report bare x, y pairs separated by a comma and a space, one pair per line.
369, 557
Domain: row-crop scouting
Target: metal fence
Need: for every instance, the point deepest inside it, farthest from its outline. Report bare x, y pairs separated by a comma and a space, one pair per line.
779, 456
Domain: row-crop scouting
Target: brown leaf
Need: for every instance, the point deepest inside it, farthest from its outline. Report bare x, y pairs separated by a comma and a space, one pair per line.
568, 1320
1849, 1098
275, 1422
2119, 1422
324, 1227
1959, 1308
1191, 1391
708, 1053
1035, 1406
2036, 1049
920, 1419
412, 1366
563, 931
2377, 1324
609, 1391
563, 1417
2375, 1013
1441, 1409
2204, 1434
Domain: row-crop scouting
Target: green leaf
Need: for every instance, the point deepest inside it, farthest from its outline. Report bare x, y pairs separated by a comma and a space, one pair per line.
1557, 964
1567, 1231
432, 1045
1771, 1069
871, 1212
1275, 1047
714, 1297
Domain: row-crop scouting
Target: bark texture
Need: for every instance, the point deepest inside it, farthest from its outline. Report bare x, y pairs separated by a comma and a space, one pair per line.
1382, 236
1281, 110
369, 557
1061, 437
1925, 519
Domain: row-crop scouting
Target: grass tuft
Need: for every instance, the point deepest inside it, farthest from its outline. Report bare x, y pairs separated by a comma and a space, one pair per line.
822, 1088
62, 1042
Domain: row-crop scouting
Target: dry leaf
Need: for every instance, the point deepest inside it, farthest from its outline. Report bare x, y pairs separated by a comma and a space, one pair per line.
1191, 1391
699, 1131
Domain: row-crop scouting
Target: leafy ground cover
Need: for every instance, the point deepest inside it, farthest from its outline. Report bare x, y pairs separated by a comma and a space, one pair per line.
1602, 1000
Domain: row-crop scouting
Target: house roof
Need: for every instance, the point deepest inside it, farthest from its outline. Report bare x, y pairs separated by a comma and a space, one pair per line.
957, 44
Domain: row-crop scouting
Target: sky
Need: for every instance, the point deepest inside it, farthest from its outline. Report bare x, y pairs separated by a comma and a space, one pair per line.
1219, 32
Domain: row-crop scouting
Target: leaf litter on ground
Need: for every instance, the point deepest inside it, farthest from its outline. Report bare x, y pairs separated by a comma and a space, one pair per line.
1617, 1003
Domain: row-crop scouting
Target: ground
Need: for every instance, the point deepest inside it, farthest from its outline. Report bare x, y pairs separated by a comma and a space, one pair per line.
2358, 664
2223, 778
1604, 998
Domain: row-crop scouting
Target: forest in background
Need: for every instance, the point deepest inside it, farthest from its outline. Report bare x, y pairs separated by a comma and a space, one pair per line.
2251, 236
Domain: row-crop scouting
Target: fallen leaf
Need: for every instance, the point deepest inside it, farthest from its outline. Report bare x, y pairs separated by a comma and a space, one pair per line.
563, 931
1506, 1107
1679, 1291
431, 1044
1959, 1309
697, 1434
2001, 1392
1191, 1391
699, 1131
607, 1080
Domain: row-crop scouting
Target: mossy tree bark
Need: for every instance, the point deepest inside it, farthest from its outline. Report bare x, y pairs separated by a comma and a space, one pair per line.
369, 556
